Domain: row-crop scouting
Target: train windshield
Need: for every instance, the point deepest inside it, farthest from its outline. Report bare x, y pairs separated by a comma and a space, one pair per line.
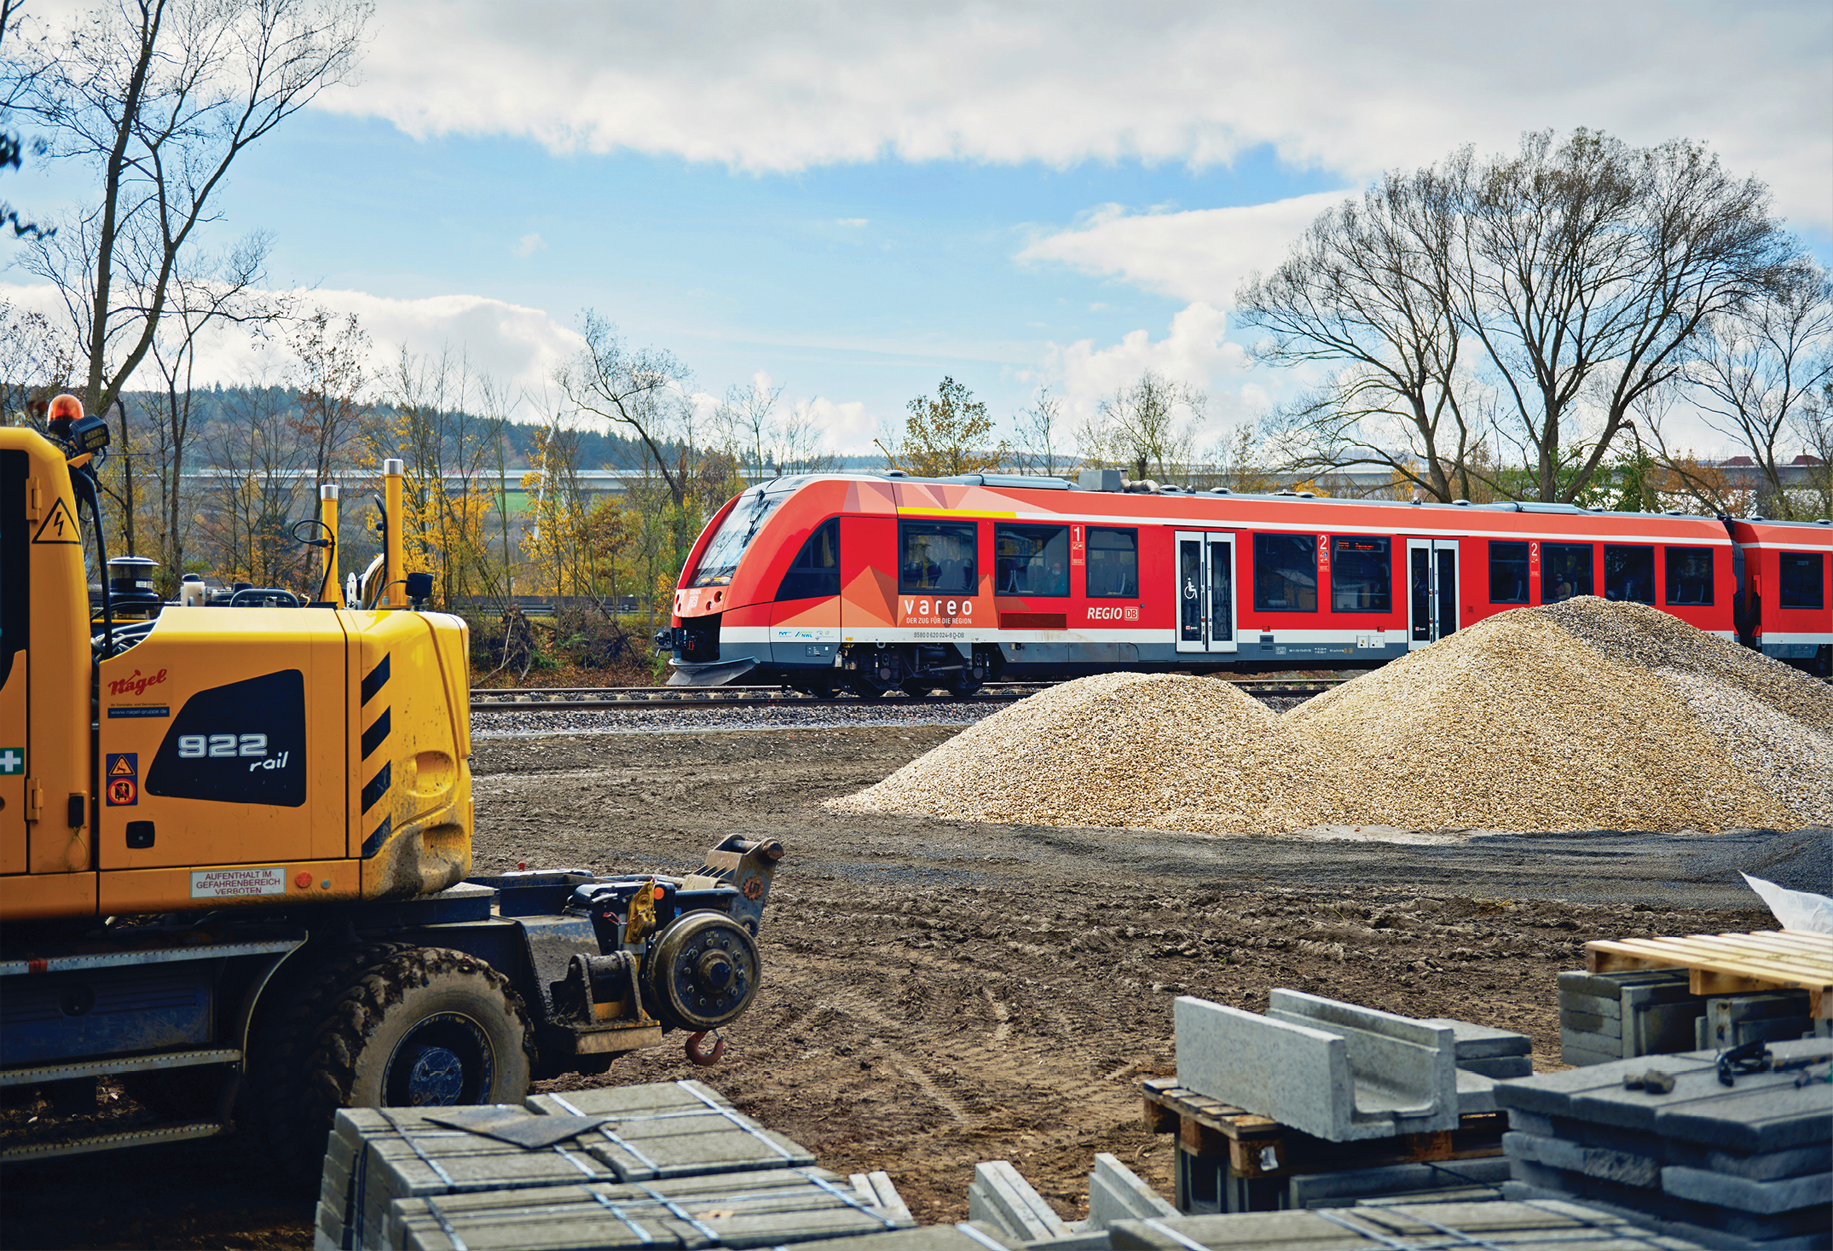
720, 559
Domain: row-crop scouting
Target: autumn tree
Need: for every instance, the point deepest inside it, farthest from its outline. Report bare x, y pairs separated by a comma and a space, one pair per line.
946, 436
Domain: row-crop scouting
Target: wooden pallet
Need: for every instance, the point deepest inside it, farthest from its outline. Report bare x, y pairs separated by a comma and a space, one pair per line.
1731, 964
1258, 1147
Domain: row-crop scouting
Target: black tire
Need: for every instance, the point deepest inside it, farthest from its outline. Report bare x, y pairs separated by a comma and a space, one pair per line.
917, 689
868, 689
427, 1027
965, 687
273, 1091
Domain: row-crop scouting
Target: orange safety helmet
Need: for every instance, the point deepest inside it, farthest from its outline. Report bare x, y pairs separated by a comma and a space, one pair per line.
64, 410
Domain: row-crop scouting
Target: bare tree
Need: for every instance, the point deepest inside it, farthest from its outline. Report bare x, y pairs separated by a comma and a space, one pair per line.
1042, 436
746, 415
1149, 427
1756, 372
158, 98
1588, 261
1368, 289
256, 490
631, 389
35, 364
229, 295
1814, 423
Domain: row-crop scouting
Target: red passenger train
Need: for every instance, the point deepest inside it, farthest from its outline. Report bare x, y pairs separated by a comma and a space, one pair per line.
876, 582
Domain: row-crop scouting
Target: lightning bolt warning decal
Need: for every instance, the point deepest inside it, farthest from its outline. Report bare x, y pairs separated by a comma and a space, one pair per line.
59, 527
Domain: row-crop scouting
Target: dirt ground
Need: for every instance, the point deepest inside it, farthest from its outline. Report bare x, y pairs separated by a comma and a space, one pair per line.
940, 993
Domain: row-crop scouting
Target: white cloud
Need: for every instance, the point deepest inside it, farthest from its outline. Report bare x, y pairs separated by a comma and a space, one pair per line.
1199, 256
845, 426
853, 221
1192, 352
519, 346
529, 244
1350, 87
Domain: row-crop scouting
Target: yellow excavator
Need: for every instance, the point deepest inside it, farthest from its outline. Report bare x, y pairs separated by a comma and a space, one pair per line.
235, 841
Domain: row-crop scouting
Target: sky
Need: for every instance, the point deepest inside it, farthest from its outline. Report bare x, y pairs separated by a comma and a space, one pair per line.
851, 201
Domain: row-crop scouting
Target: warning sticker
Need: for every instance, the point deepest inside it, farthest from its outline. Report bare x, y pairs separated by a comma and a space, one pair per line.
59, 527
121, 786
232, 883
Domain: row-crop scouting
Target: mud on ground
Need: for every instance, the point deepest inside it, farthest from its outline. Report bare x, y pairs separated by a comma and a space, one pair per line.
940, 993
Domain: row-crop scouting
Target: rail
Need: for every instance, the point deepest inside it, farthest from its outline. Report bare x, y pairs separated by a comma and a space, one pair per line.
663, 698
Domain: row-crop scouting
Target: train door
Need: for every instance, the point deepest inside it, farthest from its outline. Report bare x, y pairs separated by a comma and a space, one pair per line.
1432, 586
1205, 571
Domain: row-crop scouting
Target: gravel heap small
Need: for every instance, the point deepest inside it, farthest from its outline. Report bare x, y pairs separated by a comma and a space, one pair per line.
1104, 750
1586, 715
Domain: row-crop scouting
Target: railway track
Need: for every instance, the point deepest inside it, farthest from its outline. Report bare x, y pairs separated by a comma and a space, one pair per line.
665, 698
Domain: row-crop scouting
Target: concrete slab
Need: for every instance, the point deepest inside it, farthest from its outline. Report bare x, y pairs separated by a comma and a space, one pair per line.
1325, 1190
1000, 1196
1116, 1193
1482, 1042
1402, 1067
1500, 1068
1628, 1168
1765, 1197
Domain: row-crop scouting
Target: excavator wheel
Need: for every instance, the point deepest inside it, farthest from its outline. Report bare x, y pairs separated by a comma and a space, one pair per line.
426, 1027
274, 1089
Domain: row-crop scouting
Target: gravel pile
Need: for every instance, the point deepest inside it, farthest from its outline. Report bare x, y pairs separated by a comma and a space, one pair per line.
1584, 716
1106, 750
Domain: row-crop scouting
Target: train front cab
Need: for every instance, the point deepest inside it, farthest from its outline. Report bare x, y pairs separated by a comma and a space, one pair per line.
1785, 591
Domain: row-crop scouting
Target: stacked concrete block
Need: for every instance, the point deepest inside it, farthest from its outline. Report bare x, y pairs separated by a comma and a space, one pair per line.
1614, 1016
1329, 1069
1765, 1016
1744, 1165
672, 1129
377, 1156
1494, 1225
770, 1208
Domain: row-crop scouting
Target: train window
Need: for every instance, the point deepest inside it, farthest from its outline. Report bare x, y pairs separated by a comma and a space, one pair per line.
1361, 575
815, 572
1802, 586
1629, 573
1031, 560
727, 546
1508, 575
1689, 575
938, 556
1285, 573
1113, 563
1565, 571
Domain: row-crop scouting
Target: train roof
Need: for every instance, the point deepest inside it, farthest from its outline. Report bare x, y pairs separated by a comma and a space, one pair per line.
1031, 482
